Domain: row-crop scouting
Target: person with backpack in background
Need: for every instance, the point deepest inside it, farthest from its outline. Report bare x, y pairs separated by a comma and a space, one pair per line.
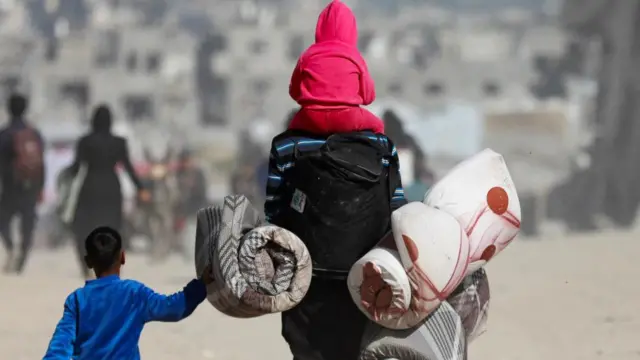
333, 181
423, 182
22, 175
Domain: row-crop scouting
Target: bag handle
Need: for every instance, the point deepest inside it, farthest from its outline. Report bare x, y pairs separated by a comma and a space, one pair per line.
393, 177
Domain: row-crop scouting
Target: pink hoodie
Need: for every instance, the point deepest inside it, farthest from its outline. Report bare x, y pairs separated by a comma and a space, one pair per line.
332, 77
332, 71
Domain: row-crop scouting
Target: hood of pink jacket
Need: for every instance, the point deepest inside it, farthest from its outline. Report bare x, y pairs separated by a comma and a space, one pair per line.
337, 23
332, 72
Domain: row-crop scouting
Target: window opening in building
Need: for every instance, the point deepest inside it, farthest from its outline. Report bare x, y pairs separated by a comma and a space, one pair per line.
258, 46
77, 92
138, 108
107, 49
153, 63
395, 89
491, 89
132, 61
296, 47
10, 84
434, 89
364, 40
214, 102
52, 50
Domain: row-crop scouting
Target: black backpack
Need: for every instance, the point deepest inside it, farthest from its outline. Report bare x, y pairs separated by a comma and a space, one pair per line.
338, 199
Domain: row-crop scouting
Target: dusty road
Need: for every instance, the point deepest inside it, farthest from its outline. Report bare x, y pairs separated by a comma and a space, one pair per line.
571, 299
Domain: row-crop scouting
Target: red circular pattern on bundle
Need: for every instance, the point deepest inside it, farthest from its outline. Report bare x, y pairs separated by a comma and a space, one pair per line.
488, 253
498, 200
375, 293
412, 248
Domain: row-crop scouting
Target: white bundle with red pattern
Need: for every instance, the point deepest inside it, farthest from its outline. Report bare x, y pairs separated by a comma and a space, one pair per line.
480, 194
466, 219
399, 283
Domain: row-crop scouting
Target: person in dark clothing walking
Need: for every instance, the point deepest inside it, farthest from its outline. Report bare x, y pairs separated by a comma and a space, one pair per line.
192, 185
100, 197
22, 176
403, 140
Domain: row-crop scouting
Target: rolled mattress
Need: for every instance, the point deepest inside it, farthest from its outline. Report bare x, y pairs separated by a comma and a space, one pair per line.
440, 337
471, 302
257, 270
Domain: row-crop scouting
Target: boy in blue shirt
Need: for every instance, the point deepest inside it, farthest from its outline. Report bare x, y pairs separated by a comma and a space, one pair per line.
104, 319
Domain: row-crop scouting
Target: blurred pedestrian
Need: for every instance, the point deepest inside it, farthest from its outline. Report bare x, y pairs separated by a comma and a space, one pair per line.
192, 190
22, 176
423, 182
99, 197
192, 185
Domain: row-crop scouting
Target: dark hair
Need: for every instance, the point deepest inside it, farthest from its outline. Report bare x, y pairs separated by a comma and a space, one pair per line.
101, 120
17, 105
103, 246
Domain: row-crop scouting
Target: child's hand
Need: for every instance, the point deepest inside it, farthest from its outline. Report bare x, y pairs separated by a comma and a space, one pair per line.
206, 276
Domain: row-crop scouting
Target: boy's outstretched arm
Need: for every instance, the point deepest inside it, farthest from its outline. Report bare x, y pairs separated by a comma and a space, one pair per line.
64, 336
175, 307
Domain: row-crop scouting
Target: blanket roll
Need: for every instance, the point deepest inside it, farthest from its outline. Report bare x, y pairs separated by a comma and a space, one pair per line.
257, 270
471, 302
381, 289
440, 337
410, 272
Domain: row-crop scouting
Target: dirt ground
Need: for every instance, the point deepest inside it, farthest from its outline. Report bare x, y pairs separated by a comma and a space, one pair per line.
572, 299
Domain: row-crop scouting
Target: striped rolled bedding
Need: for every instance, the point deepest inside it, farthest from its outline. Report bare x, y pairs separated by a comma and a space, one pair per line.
257, 270
441, 336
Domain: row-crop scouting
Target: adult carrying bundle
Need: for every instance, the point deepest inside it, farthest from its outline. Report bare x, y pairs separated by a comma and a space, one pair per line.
257, 270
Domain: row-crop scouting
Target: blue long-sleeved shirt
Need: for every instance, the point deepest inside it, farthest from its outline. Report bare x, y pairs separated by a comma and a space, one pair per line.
281, 159
104, 319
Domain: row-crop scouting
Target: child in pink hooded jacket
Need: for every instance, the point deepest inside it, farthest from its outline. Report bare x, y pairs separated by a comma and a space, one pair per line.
331, 80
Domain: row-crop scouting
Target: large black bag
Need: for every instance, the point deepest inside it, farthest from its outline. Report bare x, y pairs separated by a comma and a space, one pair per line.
338, 199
